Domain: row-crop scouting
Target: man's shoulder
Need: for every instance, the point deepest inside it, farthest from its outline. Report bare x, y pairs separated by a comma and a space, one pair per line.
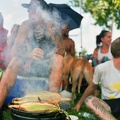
25, 26
105, 64
70, 40
25, 23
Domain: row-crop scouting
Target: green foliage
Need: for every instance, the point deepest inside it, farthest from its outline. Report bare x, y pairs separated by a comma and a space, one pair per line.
105, 12
6, 114
74, 3
83, 52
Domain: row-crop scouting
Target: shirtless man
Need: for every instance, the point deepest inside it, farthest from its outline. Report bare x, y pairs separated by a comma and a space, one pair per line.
68, 42
32, 31
69, 47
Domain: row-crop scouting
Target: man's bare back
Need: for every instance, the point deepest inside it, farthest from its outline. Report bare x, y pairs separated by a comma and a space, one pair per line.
68, 42
69, 46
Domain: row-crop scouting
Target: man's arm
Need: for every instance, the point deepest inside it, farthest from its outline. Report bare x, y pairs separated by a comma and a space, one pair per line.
8, 79
20, 39
55, 78
90, 89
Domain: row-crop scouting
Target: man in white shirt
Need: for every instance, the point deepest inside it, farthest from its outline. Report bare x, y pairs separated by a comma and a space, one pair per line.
108, 75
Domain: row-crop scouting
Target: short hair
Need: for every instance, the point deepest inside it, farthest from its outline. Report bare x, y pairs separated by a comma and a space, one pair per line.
115, 48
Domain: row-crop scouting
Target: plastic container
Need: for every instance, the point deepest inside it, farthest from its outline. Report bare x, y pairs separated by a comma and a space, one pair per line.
86, 115
66, 94
73, 117
26, 85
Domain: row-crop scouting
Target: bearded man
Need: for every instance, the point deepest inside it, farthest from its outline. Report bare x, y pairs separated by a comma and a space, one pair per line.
38, 46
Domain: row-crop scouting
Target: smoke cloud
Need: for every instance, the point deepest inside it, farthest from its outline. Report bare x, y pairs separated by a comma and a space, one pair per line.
1, 20
43, 26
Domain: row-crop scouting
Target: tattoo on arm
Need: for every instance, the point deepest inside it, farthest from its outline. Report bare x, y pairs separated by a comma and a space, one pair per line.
98, 106
12, 63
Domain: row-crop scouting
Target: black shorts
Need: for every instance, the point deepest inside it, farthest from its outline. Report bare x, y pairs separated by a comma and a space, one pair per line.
115, 106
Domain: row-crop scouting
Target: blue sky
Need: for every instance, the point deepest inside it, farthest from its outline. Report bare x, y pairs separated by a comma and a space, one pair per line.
14, 13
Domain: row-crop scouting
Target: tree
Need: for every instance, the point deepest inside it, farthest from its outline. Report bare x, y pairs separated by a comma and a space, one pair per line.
105, 12
74, 3
83, 52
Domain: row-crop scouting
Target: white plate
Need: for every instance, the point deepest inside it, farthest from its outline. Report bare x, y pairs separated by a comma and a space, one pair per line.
73, 117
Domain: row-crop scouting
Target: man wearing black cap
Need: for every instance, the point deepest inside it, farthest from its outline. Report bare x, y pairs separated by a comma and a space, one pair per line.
39, 40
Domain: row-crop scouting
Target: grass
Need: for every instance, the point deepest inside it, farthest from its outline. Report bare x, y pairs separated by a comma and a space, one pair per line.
7, 116
83, 109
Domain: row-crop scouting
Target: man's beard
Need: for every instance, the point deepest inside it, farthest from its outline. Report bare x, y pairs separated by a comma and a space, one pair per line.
39, 33
38, 30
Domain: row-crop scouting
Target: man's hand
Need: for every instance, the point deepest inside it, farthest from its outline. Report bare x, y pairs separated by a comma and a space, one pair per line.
36, 54
77, 107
